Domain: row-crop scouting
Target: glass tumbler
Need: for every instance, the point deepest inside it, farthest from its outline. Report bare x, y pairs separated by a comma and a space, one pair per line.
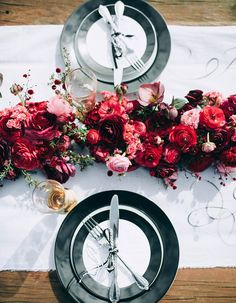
50, 196
81, 84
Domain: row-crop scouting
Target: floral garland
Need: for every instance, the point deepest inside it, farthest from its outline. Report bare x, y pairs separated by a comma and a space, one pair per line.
40, 136
192, 133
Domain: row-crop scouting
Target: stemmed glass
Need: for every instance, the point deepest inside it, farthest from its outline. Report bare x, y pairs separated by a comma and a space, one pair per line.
51, 197
81, 84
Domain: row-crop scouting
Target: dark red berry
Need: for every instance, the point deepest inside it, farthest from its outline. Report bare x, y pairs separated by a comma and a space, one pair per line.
25, 75
57, 82
30, 92
109, 173
54, 87
58, 70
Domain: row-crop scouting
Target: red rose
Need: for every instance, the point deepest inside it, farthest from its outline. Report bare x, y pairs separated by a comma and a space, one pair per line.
111, 130
200, 163
24, 155
171, 154
183, 136
212, 117
92, 136
42, 126
228, 157
150, 156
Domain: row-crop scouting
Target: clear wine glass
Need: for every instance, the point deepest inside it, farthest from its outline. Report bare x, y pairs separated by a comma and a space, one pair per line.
81, 84
50, 196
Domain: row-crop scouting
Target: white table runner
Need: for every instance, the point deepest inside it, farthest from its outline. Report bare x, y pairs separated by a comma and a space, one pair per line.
201, 57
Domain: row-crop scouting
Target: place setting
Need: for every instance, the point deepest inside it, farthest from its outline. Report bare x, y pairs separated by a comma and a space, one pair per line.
116, 246
118, 41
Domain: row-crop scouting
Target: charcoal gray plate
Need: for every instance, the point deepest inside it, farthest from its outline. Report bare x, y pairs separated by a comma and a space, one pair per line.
164, 248
155, 56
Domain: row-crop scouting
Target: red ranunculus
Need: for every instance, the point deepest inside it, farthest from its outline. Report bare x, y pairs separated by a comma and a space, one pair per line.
183, 136
92, 136
42, 126
24, 155
171, 154
212, 117
228, 157
150, 156
111, 130
200, 163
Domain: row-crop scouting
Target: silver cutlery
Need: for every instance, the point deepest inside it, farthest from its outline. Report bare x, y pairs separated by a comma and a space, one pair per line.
117, 38
114, 290
102, 237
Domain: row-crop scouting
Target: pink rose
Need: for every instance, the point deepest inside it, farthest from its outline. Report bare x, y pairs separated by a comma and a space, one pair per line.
151, 94
118, 164
191, 117
59, 107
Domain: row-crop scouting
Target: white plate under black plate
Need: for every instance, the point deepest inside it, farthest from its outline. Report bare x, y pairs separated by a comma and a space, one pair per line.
138, 210
87, 38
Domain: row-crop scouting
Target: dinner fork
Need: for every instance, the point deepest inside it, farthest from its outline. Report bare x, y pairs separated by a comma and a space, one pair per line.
103, 238
136, 62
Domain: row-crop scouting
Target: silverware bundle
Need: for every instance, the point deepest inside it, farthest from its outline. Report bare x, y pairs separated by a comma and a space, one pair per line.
108, 238
120, 48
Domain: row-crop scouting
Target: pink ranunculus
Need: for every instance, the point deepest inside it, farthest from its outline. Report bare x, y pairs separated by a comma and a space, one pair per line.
151, 94
118, 164
191, 117
60, 107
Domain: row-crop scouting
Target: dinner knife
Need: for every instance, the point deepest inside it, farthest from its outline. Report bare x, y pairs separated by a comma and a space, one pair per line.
114, 290
118, 67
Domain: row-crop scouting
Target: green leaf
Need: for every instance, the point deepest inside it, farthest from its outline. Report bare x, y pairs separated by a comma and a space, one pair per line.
178, 103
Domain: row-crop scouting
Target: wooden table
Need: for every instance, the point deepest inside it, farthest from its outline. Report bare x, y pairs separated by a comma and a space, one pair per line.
216, 285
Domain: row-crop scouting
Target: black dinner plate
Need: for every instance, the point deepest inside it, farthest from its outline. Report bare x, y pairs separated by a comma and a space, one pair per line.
164, 248
155, 56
